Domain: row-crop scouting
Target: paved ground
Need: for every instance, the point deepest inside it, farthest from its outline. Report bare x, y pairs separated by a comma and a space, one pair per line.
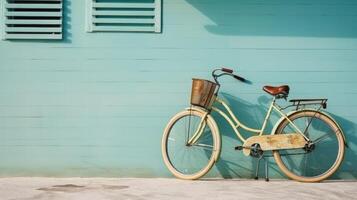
118, 189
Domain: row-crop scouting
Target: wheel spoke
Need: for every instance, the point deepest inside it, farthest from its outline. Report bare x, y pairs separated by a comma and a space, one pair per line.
292, 154
307, 124
204, 146
319, 139
188, 128
305, 163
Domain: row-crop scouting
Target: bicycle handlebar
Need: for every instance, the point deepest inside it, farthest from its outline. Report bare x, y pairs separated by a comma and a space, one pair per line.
226, 71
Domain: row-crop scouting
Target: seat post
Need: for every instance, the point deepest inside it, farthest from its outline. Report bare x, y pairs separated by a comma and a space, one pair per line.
268, 115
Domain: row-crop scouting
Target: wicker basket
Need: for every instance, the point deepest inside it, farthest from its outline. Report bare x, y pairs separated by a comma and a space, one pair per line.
202, 93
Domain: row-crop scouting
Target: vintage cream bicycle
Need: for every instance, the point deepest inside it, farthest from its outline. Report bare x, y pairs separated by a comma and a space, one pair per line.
307, 144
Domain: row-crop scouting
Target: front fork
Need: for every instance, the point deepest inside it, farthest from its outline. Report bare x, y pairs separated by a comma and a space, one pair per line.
199, 131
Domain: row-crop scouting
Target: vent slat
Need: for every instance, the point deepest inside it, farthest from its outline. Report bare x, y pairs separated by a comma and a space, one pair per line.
124, 28
123, 21
123, 5
32, 14
123, 13
52, 1
33, 30
135, 16
33, 22
33, 6
32, 19
33, 36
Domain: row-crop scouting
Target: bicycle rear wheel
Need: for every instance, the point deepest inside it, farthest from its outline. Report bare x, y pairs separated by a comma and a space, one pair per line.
320, 158
190, 161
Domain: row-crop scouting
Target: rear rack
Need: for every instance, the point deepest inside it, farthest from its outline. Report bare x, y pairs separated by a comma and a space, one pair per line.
305, 102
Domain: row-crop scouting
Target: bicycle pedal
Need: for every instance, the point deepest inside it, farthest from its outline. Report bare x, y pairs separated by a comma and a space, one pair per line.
238, 148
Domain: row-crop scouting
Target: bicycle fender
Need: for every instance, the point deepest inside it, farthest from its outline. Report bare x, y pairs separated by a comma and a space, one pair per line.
281, 120
196, 108
303, 110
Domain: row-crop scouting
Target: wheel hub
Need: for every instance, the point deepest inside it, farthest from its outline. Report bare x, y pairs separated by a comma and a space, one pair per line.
309, 147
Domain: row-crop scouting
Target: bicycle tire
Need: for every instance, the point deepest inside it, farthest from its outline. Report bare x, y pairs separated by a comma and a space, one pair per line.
322, 165
189, 170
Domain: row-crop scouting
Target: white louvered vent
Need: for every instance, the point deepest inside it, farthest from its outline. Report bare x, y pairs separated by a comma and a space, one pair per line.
124, 15
32, 19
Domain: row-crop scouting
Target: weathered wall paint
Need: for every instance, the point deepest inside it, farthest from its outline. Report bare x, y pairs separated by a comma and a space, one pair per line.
95, 104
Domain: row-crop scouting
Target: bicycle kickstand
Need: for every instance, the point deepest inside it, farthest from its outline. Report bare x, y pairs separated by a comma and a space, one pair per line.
266, 168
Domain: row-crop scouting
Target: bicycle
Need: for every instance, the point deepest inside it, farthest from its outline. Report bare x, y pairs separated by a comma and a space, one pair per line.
307, 144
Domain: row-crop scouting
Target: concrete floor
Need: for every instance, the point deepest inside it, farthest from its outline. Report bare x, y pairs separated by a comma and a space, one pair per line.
132, 188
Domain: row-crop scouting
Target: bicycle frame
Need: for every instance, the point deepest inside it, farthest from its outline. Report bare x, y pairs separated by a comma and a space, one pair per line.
236, 124
181, 162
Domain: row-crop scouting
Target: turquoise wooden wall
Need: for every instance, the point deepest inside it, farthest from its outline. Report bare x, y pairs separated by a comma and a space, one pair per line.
95, 104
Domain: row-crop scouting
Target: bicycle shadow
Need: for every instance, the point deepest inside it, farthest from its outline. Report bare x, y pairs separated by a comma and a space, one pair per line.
348, 167
232, 163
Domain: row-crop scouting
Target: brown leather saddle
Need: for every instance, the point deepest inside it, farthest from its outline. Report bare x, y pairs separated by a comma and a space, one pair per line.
280, 91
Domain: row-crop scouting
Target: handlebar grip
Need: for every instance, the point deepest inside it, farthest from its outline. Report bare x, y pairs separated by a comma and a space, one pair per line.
239, 78
227, 70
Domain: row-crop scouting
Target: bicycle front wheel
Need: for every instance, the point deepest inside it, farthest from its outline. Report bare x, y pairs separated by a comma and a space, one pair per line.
321, 157
190, 161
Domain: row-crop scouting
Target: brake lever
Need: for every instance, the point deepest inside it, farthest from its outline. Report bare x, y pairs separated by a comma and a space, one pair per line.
239, 78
